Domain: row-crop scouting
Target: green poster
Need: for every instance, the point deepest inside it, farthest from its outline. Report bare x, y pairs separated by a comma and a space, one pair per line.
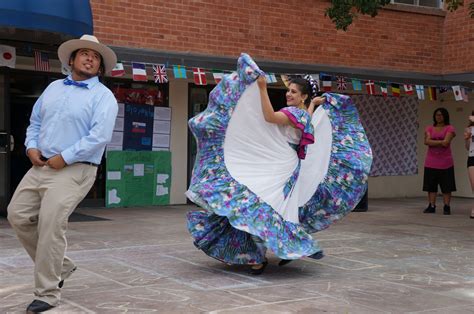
138, 178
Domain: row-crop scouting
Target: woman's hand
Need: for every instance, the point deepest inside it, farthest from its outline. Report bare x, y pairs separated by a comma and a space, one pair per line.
318, 101
262, 82
467, 134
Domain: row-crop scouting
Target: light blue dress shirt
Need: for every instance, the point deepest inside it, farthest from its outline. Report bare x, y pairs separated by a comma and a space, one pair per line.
76, 122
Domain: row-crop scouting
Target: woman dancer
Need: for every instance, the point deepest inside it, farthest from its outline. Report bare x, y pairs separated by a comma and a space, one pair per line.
251, 177
469, 143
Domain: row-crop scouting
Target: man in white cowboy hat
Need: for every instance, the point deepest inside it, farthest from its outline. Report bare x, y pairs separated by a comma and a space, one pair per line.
70, 125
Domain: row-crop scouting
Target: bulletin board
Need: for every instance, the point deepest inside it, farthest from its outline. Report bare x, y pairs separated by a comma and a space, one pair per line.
140, 178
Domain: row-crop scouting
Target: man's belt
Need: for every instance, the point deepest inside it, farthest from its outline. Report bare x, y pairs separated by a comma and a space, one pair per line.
77, 162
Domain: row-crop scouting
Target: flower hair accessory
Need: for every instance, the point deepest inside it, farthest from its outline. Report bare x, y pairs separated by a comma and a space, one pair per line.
314, 85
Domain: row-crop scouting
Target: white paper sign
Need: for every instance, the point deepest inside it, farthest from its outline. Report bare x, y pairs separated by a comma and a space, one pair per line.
114, 175
161, 177
114, 147
113, 197
161, 190
121, 111
117, 139
161, 126
161, 140
160, 149
139, 170
119, 124
162, 113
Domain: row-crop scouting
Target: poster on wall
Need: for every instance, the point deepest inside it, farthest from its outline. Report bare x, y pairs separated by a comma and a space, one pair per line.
161, 129
141, 128
138, 127
138, 178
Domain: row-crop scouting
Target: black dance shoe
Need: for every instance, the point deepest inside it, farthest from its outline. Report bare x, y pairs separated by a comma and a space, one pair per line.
38, 306
283, 262
317, 255
258, 271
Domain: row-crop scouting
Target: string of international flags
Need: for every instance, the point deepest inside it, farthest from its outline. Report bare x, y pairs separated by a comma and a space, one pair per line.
324, 81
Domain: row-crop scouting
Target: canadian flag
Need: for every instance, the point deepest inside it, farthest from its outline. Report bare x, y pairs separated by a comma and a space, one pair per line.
218, 76
408, 89
7, 56
118, 70
199, 76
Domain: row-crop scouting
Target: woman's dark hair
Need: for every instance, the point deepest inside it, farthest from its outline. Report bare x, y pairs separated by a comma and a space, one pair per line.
304, 88
445, 114
101, 66
471, 123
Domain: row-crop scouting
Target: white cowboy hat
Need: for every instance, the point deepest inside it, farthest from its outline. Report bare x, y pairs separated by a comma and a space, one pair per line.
90, 42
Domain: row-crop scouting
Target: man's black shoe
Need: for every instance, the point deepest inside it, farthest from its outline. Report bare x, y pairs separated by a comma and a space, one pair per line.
38, 306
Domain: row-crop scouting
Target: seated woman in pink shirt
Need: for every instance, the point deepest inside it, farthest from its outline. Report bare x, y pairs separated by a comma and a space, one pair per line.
439, 165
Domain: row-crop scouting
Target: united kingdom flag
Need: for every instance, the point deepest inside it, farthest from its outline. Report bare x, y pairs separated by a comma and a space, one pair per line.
341, 83
159, 72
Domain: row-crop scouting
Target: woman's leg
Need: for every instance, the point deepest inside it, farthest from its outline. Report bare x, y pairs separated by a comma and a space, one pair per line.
431, 203
258, 269
447, 198
470, 171
432, 198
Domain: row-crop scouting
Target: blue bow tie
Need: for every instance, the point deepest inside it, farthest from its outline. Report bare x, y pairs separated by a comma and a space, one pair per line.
71, 82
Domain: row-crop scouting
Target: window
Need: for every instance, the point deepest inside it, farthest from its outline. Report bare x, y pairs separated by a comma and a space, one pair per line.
421, 3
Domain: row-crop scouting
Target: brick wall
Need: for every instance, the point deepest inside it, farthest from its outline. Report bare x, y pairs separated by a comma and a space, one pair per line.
295, 31
458, 46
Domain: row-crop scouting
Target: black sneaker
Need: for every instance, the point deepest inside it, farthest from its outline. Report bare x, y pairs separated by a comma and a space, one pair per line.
430, 209
446, 210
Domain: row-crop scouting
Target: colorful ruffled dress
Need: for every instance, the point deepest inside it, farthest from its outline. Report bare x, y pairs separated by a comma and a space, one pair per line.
257, 179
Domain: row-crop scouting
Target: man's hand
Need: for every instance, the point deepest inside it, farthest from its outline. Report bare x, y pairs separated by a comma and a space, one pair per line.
56, 162
35, 157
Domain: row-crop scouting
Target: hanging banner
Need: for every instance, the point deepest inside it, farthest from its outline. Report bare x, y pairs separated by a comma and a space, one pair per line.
391, 125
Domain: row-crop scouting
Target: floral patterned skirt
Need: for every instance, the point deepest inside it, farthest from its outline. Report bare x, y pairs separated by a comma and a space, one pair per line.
248, 200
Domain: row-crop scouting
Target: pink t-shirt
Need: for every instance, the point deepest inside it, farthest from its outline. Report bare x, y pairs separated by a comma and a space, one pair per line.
439, 157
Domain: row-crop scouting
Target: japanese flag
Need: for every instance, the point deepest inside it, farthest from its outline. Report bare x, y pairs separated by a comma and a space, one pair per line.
7, 56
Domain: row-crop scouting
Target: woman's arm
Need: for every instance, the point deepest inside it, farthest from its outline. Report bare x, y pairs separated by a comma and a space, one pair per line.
429, 141
467, 138
438, 143
269, 114
316, 101
448, 138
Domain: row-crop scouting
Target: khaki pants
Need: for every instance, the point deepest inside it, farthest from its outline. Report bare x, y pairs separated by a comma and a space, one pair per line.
39, 211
